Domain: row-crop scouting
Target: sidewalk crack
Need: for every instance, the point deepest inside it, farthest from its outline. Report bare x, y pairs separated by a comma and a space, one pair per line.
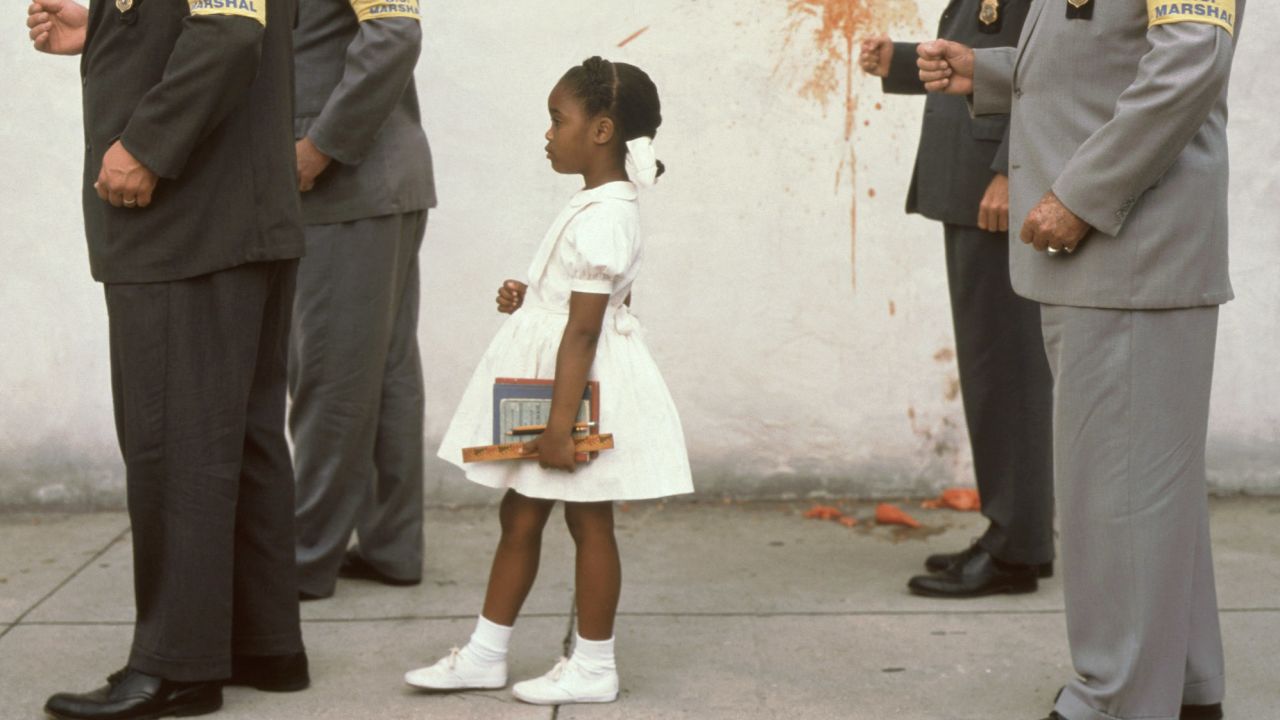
567, 644
67, 580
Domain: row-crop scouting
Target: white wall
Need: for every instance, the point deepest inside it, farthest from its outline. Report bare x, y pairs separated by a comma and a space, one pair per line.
790, 379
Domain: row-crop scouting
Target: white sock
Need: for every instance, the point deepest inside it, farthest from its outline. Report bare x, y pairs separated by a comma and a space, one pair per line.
594, 656
489, 642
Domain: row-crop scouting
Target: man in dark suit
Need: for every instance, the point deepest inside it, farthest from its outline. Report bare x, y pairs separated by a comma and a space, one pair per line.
355, 374
192, 221
961, 179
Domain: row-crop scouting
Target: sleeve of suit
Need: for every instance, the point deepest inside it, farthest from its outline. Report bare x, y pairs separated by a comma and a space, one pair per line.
904, 74
993, 81
379, 65
1178, 82
1000, 163
212, 65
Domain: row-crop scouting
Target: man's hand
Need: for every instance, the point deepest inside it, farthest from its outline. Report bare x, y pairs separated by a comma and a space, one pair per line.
993, 212
555, 451
511, 296
1050, 226
311, 162
876, 56
57, 26
946, 67
123, 181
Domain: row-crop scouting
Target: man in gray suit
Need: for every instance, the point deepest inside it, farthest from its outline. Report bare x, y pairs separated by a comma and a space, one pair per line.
355, 375
961, 179
1118, 165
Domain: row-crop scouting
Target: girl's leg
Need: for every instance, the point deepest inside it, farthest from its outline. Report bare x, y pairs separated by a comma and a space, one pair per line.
482, 662
515, 562
591, 674
598, 571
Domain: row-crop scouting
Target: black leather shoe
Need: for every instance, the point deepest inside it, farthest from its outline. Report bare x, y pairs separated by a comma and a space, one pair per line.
134, 695
1201, 712
355, 567
271, 673
942, 561
980, 574
1186, 712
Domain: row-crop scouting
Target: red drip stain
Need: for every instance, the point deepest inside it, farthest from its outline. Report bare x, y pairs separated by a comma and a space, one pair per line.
953, 388
840, 25
871, 192
633, 36
879, 106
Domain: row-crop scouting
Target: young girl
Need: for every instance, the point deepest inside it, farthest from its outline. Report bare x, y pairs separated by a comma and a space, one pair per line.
572, 323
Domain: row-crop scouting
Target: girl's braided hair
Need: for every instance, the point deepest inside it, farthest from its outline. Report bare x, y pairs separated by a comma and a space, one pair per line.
624, 92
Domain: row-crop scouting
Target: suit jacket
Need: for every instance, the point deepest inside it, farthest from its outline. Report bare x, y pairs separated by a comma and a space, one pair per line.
958, 153
357, 102
199, 92
1124, 117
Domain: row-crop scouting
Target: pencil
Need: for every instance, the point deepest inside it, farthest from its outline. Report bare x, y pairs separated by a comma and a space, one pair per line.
531, 429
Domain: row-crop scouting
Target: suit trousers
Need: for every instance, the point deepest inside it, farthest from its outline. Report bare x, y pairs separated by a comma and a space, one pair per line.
1131, 408
198, 371
355, 377
1008, 396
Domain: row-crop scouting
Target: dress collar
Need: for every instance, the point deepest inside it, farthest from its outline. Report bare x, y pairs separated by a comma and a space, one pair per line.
616, 190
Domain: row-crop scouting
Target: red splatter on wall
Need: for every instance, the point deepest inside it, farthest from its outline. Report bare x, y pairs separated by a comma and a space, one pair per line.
633, 36
835, 28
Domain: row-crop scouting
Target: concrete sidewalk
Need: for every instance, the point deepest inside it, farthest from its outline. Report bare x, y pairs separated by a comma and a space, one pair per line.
728, 611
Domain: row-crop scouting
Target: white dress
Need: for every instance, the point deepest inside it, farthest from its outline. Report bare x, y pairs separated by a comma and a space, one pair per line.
593, 246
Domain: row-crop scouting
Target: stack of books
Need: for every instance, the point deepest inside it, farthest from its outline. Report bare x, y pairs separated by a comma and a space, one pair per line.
521, 407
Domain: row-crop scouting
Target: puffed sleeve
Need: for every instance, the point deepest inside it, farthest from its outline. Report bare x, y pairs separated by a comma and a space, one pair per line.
600, 248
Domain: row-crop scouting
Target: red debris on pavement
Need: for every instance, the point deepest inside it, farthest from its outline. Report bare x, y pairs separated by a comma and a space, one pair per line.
962, 499
823, 512
888, 514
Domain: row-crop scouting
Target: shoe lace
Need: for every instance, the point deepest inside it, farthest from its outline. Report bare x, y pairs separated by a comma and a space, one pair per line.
558, 670
452, 660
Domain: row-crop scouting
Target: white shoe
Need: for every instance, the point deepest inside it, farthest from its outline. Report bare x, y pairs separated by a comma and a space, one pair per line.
568, 682
456, 671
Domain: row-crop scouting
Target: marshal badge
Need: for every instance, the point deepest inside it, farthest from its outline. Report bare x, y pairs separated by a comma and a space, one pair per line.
989, 14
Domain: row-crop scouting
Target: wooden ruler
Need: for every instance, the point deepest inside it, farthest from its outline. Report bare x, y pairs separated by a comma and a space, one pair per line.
512, 451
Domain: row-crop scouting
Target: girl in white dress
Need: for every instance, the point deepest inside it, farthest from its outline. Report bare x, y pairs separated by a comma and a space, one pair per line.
572, 322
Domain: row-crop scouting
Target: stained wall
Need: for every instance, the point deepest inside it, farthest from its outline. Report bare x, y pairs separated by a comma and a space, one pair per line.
800, 317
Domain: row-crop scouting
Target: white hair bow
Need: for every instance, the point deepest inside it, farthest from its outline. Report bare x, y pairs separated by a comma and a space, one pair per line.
642, 163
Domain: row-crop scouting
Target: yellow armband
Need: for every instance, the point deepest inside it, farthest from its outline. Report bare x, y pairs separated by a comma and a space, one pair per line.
375, 9
1210, 12
256, 9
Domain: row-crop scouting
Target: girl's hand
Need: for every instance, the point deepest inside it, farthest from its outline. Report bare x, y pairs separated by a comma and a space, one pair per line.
511, 296
555, 451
